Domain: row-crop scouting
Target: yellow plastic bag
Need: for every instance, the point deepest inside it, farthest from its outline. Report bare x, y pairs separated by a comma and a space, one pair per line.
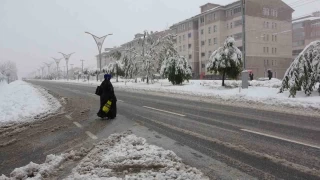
107, 106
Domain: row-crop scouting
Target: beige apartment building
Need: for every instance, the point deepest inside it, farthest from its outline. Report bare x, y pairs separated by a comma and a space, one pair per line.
268, 35
305, 30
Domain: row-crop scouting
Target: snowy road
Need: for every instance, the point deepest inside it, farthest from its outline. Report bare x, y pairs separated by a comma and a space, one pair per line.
224, 142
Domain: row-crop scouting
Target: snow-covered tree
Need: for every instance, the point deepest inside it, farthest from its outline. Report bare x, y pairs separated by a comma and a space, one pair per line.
167, 49
2, 77
226, 60
176, 69
304, 72
149, 54
9, 69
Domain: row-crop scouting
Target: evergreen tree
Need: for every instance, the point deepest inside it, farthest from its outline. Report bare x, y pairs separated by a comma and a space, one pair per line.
176, 69
304, 72
226, 60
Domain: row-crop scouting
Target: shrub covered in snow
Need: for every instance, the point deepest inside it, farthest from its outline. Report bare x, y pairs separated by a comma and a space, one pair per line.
226, 60
176, 69
304, 72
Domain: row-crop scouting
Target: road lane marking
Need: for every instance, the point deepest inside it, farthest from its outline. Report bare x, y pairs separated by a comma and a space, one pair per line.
120, 100
92, 136
77, 124
68, 117
280, 138
164, 111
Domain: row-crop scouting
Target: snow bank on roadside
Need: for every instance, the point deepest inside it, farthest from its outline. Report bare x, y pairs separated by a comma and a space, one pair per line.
120, 156
19, 101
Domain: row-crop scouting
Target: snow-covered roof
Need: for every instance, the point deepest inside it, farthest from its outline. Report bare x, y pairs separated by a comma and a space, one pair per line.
308, 18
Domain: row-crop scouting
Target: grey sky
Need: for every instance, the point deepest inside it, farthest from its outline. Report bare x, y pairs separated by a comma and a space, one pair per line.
33, 31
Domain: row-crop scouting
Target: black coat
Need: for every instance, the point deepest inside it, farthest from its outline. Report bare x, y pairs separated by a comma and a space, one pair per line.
107, 94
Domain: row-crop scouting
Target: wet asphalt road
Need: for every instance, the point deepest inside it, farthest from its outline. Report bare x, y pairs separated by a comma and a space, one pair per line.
249, 143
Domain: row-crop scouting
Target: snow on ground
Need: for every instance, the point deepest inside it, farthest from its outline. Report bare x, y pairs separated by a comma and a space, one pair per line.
121, 156
20, 102
260, 91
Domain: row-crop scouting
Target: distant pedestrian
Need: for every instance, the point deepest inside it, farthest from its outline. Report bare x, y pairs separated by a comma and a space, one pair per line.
251, 75
108, 99
270, 74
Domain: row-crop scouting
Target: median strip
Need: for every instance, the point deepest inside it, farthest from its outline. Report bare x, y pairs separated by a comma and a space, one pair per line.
164, 111
280, 138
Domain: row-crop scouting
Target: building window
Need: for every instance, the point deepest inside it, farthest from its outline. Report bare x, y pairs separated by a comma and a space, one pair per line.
264, 49
203, 54
267, 49
227, 25
238, 36
214, 16
183, 37
189, 35
202, 31
275, 38
209, 54
265, 62
189, 46
231, 25
190, 56
202, 19
180, 48
190, 24
203, 65
215, 28
236, 10
266, 11
209, 30
209, 41
267, 37
184, 47
272, 53
180, 39
275, 50
214, 40
237, 23
268, 25
202, 43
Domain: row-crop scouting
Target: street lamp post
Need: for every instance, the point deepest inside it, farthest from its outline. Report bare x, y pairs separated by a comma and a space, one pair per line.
48, 65
57, 62
72, 70
66, 57
82, 65
99, 41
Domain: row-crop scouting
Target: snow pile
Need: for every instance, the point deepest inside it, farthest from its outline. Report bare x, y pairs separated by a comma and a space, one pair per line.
273, 83
20, 101
126, 156
47, 169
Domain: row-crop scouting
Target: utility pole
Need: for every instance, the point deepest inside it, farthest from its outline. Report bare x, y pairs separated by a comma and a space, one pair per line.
72, 71
82, 65
243, 11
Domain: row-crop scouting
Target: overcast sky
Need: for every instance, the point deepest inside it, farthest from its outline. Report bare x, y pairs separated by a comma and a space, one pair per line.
33, 31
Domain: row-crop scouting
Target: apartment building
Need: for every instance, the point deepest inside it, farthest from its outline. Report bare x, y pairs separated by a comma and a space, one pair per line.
305, 30
268, 35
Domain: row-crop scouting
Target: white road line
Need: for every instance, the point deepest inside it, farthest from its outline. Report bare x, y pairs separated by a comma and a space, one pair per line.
68, 117
280, 138
92, 136
77, 124
164, 111
120, 100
